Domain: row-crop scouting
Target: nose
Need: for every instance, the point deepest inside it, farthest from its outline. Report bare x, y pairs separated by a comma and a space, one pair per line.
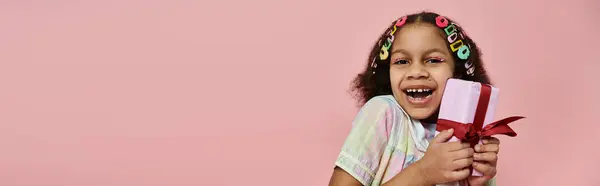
417, 71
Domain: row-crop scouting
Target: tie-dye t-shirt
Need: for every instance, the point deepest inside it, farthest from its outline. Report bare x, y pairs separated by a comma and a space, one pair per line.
383, 141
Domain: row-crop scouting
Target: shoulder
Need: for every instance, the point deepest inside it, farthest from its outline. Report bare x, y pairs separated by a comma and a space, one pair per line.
383, 101
383, 108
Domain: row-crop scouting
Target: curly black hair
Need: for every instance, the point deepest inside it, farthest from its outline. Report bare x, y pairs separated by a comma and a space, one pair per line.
375, 80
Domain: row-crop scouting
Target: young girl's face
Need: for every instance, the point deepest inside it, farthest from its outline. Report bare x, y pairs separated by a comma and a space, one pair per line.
420, 65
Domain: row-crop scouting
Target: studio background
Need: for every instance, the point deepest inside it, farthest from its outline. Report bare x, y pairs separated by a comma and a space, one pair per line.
233, 92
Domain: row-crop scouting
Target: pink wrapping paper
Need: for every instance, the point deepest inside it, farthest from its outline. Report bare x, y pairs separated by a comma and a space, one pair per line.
460, 102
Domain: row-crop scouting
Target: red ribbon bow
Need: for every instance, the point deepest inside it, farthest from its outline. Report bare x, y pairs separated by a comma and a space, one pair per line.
473, 132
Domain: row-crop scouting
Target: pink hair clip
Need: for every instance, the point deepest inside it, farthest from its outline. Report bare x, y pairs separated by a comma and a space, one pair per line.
441, 21
401, 21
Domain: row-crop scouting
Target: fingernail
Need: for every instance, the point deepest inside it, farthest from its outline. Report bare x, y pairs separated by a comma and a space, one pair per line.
450, 130
485, 141
477, 147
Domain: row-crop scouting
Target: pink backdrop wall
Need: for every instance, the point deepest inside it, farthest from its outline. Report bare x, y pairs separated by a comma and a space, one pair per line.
132, 93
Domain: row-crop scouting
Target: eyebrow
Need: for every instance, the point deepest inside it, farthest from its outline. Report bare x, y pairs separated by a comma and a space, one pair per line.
428, 51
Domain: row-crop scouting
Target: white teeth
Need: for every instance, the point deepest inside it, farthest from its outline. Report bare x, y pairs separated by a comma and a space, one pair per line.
418, 90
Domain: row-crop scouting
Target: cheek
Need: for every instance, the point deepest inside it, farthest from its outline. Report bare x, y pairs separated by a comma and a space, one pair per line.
443, 74
396, 76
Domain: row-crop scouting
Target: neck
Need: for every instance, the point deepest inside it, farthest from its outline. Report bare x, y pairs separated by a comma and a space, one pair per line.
432, 119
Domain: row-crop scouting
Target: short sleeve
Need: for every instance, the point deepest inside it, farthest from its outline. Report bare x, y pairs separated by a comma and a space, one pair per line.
367, 140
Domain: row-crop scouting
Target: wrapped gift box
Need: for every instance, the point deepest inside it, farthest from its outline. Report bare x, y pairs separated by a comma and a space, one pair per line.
460, 101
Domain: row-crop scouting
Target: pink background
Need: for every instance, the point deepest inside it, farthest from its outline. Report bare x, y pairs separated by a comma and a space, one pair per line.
132, 93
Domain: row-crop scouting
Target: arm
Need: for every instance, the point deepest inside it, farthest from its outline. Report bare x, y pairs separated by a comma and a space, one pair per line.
409, 176
342, 178
358, 163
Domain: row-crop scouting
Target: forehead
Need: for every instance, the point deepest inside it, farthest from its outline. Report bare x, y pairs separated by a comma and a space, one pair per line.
418, 37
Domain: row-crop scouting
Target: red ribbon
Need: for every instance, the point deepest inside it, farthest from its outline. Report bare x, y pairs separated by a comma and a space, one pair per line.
473, 132
469, 133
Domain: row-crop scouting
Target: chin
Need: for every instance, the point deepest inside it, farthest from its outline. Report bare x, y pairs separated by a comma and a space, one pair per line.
420, 114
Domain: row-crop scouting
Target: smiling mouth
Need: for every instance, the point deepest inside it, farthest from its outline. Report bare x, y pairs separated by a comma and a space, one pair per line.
419, 95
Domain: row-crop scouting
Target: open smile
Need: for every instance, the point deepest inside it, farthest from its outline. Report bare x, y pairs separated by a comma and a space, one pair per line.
419, 95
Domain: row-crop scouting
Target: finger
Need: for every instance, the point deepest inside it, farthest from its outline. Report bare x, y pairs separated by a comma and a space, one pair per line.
488, 157
443, 136
484, 168
460, 174
491, 140
464, 153
456, 145
461, 163
478, 180
487, 148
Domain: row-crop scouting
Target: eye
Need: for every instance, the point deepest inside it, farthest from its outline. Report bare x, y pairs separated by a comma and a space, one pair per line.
401, 61
434, 60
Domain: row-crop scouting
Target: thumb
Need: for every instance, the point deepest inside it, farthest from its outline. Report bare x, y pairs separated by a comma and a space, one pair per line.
443, 136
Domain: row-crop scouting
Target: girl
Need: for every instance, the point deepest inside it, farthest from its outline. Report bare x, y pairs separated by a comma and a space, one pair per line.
392, 140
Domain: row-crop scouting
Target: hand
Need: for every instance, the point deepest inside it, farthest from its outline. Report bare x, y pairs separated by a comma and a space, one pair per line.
445, 162
486, 158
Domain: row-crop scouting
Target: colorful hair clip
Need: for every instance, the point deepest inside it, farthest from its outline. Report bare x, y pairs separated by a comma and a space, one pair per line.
450, 29
374, 65
401, 21
455, 37
464, 52
452, 37
387, 44
383, 55
441, 21
454, 47
468, 64
471, 71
